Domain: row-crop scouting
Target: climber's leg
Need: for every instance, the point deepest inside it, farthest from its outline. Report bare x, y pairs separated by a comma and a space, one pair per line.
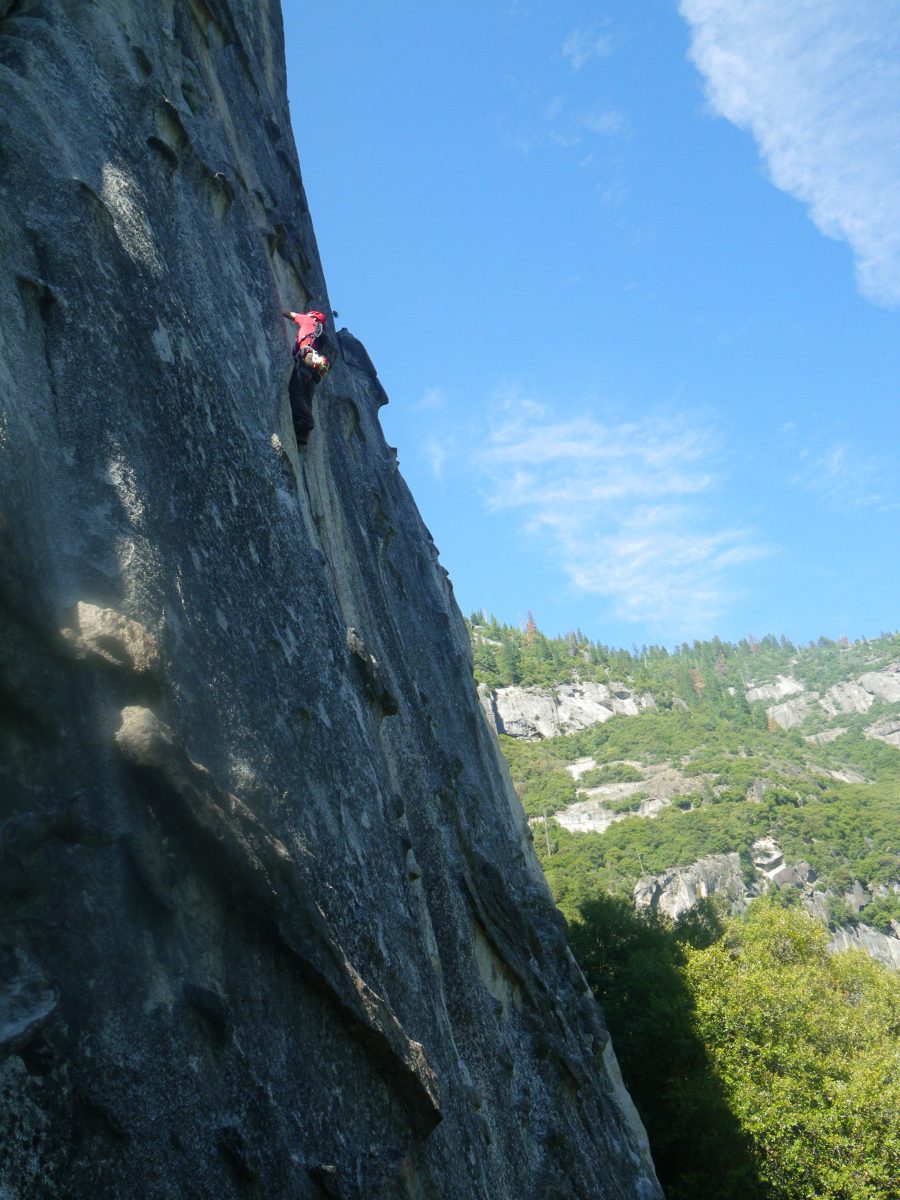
300, 390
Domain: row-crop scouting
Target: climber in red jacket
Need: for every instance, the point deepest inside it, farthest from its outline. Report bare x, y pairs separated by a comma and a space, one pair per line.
310, 368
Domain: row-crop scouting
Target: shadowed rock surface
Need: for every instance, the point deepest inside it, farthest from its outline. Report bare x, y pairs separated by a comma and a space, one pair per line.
271, 921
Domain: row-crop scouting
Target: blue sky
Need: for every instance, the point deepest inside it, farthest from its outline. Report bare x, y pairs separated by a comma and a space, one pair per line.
630, 274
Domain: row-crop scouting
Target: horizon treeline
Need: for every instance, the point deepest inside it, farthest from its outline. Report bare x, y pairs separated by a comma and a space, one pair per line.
505, 655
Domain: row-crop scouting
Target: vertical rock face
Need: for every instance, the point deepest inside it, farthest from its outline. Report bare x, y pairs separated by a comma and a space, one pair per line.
271, 922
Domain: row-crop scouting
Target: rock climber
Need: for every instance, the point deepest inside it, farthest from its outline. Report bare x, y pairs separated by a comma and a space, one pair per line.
310, 368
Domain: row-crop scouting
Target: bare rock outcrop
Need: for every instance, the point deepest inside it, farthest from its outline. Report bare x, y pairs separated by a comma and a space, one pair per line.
846, 697
886, 730
272, 922
681, 888
675, 891
539, 712
878, 945
849, 697
601, 806
883, 684
781, 687
791, 713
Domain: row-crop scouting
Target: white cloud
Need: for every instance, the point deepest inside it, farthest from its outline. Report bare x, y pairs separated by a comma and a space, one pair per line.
624, 506
584, 44
817, 82
658, 567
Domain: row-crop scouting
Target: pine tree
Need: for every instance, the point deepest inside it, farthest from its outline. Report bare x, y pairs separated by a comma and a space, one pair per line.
530, 628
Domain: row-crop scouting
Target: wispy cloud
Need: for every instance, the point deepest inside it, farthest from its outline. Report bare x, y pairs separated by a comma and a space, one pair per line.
844, 476
605, 123
435, 452
658, 566
584, 44
568, 129
568, 117
817, 82
431, 400
612, 194
625, 507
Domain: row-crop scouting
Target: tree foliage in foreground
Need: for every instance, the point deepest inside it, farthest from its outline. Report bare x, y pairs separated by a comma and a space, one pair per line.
635, 965
762, 1066
807, 1046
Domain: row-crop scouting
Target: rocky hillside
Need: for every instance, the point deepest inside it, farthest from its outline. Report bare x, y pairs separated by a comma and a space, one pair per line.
792, 705
564, 707
677, 890
729, 771
272, 923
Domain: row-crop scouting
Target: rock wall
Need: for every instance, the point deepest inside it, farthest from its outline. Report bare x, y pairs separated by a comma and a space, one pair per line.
271, 921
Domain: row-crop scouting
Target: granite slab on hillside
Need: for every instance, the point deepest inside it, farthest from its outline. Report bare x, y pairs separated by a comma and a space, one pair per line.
849, 696
604, 805
272, 923
544, 712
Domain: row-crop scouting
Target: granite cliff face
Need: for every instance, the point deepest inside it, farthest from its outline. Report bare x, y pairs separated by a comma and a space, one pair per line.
271, 921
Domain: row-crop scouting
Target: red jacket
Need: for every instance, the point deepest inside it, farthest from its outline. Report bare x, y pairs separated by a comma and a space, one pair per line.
309, 326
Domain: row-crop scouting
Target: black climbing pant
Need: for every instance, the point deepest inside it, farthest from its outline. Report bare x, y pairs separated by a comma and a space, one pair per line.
301, 389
